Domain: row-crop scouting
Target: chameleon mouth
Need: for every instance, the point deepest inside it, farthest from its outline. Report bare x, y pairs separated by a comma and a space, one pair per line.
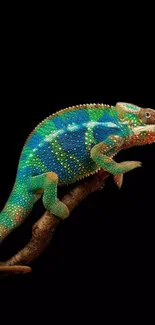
141, 129
144, 134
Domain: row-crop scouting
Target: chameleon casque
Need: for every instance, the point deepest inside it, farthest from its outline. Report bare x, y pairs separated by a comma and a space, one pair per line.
69, 145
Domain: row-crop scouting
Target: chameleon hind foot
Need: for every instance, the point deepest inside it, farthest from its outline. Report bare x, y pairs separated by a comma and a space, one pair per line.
47, 183
59, 209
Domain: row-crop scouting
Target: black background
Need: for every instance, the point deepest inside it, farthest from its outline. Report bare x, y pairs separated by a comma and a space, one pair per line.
105, 250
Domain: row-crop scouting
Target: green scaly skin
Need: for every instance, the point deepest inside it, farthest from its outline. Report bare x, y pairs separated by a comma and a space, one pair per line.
70, 145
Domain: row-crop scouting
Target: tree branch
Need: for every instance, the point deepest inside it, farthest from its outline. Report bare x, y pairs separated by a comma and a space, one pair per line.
42, 230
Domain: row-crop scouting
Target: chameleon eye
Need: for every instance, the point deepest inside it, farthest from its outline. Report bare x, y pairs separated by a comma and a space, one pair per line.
147, 114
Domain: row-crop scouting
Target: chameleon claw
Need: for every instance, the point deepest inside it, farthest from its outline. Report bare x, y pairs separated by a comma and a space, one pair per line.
118, 179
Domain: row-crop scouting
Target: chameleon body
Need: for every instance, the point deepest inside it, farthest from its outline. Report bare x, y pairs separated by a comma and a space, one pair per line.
69, 145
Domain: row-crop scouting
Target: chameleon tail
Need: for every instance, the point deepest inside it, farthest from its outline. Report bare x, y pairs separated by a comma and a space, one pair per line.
16, 209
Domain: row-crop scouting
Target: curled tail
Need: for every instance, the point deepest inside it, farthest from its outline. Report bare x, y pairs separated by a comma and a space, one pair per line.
16, 209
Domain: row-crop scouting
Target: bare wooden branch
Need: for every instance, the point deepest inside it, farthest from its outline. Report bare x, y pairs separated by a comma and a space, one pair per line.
16, 269
42, 230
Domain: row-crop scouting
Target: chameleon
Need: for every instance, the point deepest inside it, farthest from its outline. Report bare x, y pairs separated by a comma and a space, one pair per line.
69, 145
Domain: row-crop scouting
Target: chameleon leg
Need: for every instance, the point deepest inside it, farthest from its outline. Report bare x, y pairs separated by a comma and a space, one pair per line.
102, 155
47, 183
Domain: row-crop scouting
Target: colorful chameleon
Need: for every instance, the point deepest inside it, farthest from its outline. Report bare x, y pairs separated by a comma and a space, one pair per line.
69, 145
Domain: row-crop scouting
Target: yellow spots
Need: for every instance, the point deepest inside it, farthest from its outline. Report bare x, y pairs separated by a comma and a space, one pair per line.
3, 232
89, 138
18, 216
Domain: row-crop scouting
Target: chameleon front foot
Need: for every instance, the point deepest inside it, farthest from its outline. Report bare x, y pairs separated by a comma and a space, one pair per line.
101, 154
126, 166
118, 179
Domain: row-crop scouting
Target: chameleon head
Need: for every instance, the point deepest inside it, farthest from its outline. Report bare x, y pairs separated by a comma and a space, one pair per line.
141, 122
